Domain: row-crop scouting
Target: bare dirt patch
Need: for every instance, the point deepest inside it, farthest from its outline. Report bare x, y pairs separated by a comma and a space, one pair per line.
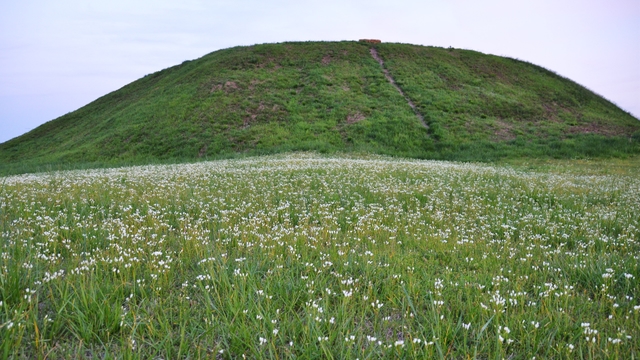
253, 83
503, 131
599, 129
203, 151
247, 121
355, 117
227, 86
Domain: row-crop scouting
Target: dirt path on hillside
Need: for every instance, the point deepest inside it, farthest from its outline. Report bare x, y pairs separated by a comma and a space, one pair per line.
377, 57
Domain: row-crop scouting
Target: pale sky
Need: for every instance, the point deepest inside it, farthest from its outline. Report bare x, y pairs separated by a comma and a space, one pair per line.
57, 56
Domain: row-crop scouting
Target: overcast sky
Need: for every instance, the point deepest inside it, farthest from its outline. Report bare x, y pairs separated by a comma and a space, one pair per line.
56, 56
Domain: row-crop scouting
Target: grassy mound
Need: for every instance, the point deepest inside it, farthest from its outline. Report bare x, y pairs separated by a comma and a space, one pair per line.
333, 96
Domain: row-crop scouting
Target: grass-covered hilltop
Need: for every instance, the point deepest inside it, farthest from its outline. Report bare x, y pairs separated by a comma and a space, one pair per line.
335, 96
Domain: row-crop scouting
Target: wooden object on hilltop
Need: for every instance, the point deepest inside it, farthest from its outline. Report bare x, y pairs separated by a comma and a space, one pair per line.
371, 41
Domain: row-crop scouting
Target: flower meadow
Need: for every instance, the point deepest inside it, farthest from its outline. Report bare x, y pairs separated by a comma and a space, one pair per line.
306, 256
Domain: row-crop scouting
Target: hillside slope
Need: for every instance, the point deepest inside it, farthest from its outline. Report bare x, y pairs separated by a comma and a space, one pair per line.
333, 96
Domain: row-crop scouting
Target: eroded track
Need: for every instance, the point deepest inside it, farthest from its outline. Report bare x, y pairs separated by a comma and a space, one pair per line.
387, 75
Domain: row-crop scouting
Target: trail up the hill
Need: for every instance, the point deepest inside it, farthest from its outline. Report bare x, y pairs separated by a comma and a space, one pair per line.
377, 57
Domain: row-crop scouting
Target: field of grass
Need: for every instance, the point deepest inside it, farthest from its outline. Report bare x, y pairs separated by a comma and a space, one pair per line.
309, 256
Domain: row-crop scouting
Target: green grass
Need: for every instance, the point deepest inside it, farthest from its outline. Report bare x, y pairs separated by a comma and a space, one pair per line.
314, 256
333, 97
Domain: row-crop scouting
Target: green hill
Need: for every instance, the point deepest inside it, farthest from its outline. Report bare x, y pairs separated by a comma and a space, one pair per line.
334, 96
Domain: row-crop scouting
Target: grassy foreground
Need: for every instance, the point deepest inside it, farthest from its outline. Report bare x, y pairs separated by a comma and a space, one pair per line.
303, 256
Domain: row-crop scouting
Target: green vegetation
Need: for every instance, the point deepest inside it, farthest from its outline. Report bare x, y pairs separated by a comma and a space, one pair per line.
305, 256
333, 97
352, 255
477, 104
